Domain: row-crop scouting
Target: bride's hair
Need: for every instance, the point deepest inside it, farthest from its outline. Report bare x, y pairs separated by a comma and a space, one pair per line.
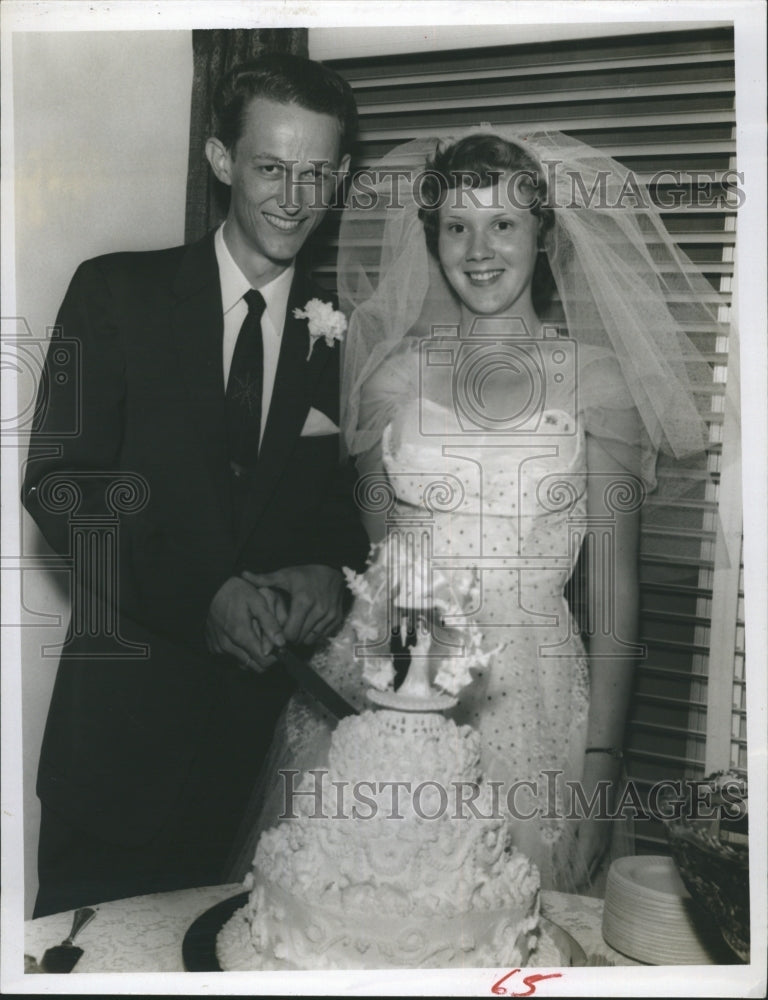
478, 161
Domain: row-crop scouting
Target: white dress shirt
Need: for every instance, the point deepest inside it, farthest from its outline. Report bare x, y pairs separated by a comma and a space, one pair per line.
234, 285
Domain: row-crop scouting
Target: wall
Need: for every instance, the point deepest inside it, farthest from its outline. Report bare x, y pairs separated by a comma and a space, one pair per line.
340, 42
101, 142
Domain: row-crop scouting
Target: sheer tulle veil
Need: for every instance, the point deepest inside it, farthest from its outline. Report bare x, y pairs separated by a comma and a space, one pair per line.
624, 290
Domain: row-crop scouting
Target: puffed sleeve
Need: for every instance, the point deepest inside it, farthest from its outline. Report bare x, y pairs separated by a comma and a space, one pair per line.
392, 384
610, 416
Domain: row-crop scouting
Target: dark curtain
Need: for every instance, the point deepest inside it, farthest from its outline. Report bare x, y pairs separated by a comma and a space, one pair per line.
215, 51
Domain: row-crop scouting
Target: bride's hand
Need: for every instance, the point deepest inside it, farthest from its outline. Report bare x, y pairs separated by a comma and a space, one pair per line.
593, 836
593, 839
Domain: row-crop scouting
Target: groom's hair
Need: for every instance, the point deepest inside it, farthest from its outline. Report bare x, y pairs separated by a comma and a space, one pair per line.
286, 79
479, 161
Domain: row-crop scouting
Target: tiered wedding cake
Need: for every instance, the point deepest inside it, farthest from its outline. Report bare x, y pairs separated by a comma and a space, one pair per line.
397, 854
394, 875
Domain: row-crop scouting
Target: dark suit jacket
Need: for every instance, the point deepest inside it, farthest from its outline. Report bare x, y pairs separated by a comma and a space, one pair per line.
122, 733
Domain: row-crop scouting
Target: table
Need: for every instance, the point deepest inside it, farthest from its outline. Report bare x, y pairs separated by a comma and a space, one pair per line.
144, 933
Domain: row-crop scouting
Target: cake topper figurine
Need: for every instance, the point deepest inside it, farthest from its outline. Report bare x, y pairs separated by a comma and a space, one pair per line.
435, 639
416, 693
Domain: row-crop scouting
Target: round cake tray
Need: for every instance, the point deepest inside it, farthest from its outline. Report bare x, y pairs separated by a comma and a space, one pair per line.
199, 945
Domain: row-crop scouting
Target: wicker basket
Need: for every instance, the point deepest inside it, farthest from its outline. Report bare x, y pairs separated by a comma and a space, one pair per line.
712, 855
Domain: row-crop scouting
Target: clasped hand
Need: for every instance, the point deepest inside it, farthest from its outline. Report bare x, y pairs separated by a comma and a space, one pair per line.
252, 616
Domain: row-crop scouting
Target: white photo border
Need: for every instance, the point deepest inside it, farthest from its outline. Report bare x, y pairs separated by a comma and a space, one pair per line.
565, 19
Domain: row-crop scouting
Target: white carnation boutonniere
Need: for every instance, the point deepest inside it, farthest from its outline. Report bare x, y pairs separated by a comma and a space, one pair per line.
324, 321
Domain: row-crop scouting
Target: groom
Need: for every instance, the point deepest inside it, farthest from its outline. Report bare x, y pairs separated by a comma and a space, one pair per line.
198, 381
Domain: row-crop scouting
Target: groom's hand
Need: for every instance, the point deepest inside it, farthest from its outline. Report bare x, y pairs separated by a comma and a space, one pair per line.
316, 596
246, 622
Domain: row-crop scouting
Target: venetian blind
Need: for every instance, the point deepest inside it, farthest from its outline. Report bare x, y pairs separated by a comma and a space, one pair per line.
657, 102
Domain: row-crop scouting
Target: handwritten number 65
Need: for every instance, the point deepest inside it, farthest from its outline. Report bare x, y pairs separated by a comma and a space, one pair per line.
530, 981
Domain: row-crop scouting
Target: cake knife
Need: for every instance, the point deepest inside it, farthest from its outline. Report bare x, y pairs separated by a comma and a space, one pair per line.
63, 957
314, 684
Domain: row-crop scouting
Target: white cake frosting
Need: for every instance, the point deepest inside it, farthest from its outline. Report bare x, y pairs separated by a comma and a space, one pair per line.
361, 879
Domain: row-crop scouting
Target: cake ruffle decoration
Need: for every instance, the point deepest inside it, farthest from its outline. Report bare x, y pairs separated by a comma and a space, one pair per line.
376, 869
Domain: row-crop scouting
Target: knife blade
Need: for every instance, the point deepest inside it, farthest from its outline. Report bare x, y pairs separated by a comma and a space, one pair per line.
314, 684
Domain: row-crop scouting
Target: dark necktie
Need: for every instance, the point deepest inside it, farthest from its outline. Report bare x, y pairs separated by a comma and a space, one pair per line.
244, 388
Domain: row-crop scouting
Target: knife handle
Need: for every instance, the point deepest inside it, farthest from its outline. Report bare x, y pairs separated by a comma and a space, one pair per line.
82, 917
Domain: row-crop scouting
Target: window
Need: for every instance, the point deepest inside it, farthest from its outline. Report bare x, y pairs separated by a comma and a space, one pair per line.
654, 102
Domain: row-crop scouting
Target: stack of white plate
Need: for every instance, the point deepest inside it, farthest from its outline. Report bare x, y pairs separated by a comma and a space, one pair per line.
648, 914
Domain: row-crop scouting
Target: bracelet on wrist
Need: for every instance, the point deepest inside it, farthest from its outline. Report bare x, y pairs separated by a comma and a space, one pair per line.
610, 751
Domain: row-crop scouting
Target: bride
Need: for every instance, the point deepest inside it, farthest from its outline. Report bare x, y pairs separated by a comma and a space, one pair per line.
513, 368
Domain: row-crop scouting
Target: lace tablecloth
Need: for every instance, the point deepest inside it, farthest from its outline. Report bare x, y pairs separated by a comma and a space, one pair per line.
144, 934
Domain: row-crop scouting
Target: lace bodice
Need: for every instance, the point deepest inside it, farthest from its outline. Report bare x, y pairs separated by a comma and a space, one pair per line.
490, 503
523, 475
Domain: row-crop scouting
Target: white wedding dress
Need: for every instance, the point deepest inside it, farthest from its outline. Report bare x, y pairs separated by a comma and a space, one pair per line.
506, 510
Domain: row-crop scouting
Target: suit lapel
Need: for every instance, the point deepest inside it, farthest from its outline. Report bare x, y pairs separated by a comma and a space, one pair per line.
198, 326
291, 398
